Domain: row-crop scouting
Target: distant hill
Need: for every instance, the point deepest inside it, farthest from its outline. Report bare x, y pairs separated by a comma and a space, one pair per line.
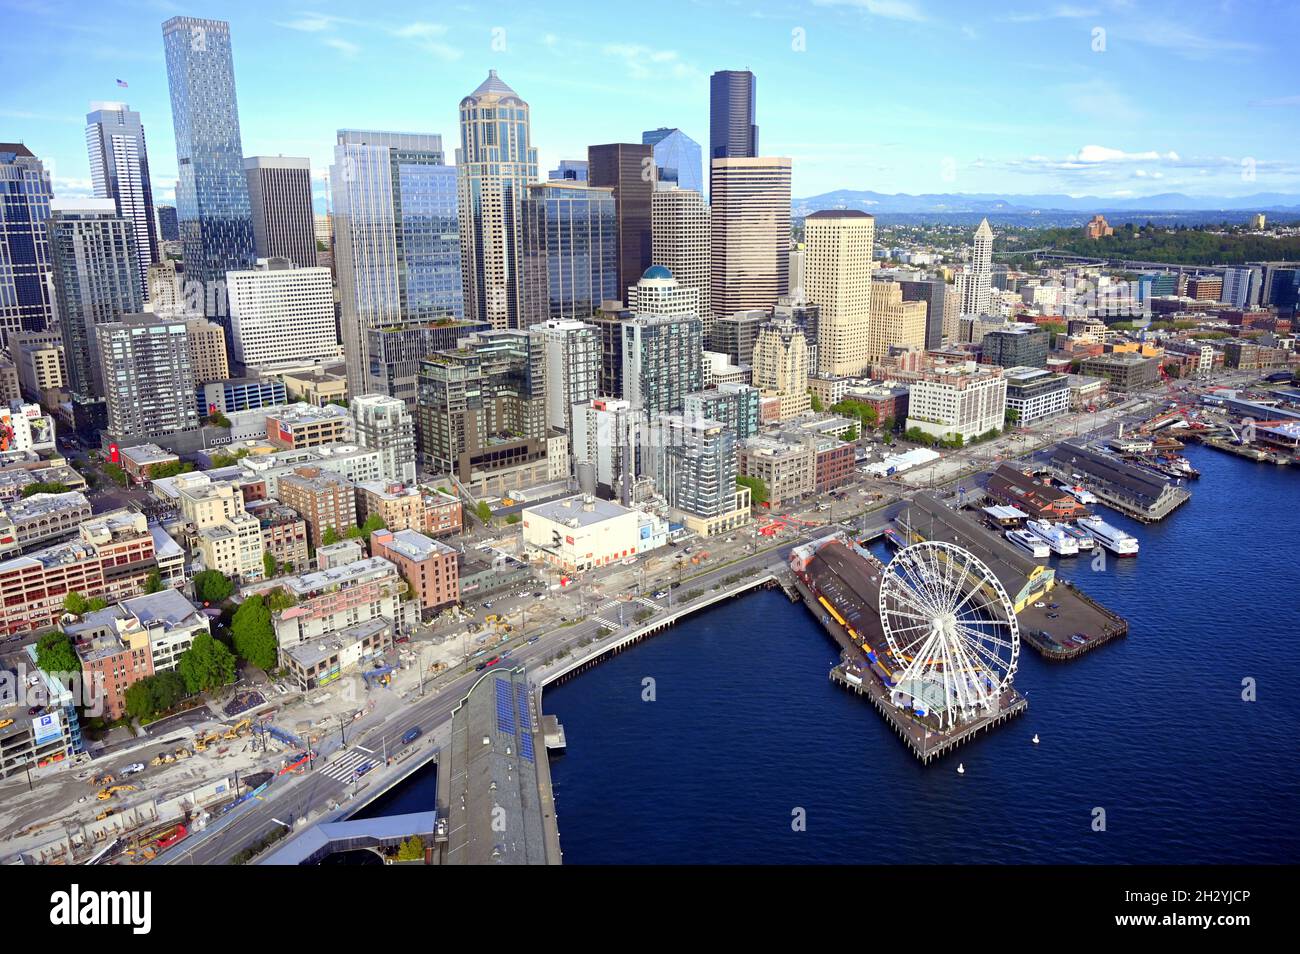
984, 203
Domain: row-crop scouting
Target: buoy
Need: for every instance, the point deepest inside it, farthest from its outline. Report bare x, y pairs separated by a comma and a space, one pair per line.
1035, 738
961, 768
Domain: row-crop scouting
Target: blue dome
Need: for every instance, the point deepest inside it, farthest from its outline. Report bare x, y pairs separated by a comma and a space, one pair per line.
657, 271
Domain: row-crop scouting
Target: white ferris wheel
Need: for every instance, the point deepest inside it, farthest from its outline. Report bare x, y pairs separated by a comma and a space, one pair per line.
952, 629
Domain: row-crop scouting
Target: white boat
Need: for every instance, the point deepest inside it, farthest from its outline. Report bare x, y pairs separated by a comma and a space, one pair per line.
1112, 538
1081, 537
1028, 543
1054, 535
1084, 497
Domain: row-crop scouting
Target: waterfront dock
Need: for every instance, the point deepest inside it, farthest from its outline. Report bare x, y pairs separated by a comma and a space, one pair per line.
1134, 491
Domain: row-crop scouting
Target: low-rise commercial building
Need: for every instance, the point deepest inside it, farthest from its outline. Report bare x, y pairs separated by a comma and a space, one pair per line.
399, 506
167, 619
964, 400
1123, 371
140, 460
430, 568
582, 532
306, 425
318, 662
42, 517
788, 470
1034, 394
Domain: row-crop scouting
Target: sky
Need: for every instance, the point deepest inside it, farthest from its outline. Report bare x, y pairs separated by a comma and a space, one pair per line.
1114, 98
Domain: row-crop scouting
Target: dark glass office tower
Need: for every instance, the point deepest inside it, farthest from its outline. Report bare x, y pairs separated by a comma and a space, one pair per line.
24, 249
570, 250
212, 206
628, 168
732, 132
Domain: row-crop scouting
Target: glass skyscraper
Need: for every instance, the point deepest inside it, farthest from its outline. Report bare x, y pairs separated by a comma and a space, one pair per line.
396, 237
212, 206
24, 248
570, 250
677, 158
496, 163
732, 132
119, 169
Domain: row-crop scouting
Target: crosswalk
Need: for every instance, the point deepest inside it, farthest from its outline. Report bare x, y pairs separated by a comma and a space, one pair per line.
645, 602
345, 767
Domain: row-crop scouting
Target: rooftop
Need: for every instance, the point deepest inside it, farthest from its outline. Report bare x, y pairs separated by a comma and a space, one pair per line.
412, 544
586, 511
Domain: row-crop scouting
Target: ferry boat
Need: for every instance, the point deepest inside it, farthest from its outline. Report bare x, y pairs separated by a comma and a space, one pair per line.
1112, 538
1085, 497
1054, 535
1028, 543
1179, 466
1081, 537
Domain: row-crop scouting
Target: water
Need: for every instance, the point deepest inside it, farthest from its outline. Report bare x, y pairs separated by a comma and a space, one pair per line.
746, 728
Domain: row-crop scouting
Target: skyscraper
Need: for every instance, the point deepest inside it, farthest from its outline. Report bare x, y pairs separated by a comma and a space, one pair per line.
397, 250
732, 130
495, 165
24, 248
781, 366
837, 278
677, 158
895, 323
385, 424
570, 250
212, 207
119, 170
750, 237
281, 314
279, 193
679, 241
627, 168
662, 345
96, 281
974, 282
934, 292
572, 350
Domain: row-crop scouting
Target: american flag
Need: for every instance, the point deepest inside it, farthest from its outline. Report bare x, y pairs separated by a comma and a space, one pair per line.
122, 83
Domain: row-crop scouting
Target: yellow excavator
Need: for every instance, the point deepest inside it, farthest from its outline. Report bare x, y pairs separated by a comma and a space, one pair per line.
162, 758
202, 742
105, 794
235, 731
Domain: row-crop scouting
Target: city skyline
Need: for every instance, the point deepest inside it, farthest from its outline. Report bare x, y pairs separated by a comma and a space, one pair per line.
1081, 112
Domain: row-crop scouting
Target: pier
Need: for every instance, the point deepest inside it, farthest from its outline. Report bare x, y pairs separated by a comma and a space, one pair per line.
1134, 491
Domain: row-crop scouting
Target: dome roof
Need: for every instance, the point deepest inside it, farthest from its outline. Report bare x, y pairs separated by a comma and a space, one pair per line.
658, 272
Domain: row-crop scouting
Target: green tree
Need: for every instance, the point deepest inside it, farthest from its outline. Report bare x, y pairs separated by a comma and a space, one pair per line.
96, 604
329, 537
153, 583
353, 533
45, 487
373, 522
850, 435
76, 604
814, 401
155, 694
483, 512
212, 586
115, 473
513, 518
207, 664
217, 419
55, 655
757, 490
170, 469
412, 849
268, 564
254, 637
280, 599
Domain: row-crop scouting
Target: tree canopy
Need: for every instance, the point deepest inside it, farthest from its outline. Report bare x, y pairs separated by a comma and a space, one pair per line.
152, 695
207, 664
757, 490
253, 635
55, 655
212, 586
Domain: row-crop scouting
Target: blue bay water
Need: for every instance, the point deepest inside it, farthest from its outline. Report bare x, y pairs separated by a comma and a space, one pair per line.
746, 727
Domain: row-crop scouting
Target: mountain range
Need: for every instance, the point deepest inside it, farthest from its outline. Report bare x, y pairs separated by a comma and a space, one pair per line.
950, 203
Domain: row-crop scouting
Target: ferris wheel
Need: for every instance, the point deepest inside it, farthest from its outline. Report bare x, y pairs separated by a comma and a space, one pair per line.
951, 628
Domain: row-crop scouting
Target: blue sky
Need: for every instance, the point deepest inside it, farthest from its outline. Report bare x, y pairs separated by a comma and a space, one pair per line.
888, 95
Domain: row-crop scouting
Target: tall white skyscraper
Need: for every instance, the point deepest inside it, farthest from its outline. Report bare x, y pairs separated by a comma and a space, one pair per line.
974, 282
119, 170
837, 278
679, 238
750, 233
495, 165
572, 350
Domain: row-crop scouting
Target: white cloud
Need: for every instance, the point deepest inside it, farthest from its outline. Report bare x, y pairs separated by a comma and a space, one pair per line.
346, 47
644, 62
1106, 154
887, 9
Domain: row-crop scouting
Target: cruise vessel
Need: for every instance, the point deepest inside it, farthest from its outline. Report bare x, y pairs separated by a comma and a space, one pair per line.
1112, 538
1085, 497
1081, 537
1025, 541
1054, 535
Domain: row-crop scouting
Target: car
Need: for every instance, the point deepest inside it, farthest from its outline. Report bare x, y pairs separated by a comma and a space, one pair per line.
480, 667
1053, 615
506, 652
660, 594
1053, 605
538, 595
402, 639
411, 735
33, 710
493, 661
487, 605
135, 768
564, 619
1039, 605
363, 768
533, 639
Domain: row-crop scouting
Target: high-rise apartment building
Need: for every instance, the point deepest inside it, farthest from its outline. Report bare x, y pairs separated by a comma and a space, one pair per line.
25, 195
570, 250
572, 350
395, 354
662, 357
604, 441
837, 277
732, 403
495, 164
397, 244
735, 335
781, 367
212, 208
279, 193
207, 343
628, 169
145, 362
281, 314
679, 241
119, 170
677, 158
733, 133
385, 424
750, 233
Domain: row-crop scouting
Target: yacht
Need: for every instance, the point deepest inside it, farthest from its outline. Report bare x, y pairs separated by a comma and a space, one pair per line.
1085, 497
1112, 538
1026, 542
1054, 535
